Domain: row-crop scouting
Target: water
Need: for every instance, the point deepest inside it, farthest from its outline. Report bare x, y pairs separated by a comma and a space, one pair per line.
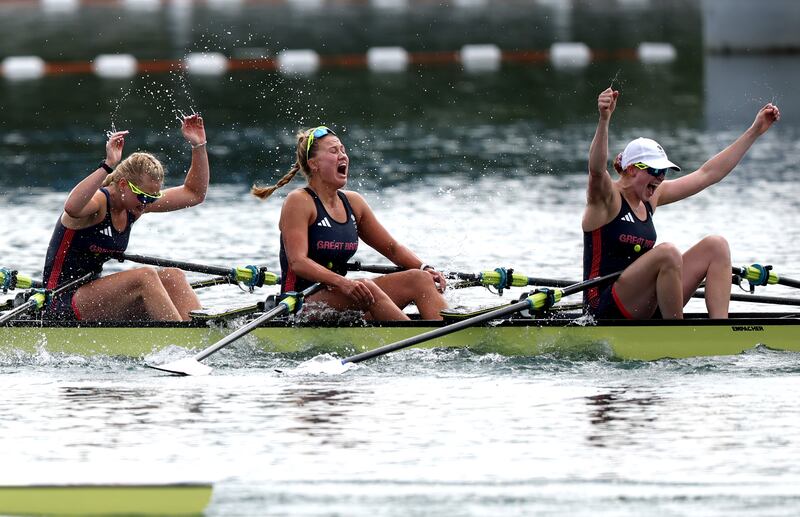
473, 172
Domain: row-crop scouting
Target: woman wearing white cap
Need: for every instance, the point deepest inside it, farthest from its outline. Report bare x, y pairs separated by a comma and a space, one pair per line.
619, 233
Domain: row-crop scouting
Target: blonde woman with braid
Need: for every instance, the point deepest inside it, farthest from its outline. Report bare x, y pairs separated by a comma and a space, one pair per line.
320, 228
96, 224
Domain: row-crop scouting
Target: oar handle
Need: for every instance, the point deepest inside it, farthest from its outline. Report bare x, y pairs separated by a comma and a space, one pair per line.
38, 299
757, 274
372, 268
10, 279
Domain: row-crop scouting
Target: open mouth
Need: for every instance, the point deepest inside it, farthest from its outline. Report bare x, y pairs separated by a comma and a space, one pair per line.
342, 168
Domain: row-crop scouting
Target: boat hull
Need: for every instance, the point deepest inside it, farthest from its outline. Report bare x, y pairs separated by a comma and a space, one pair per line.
618, 339
173, 499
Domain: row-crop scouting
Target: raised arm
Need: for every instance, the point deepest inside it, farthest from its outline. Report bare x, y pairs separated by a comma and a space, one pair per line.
599, 193
195, 185
715, 169
81, 203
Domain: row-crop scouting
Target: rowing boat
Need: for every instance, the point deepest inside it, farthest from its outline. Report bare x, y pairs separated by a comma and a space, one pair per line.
170, 499
566, 335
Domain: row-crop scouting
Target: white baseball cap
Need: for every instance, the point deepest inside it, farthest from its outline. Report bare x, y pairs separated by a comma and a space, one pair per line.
646, 151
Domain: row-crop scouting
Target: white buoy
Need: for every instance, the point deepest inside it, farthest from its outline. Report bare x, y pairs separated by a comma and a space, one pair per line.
570, 55
653, 53
481, 58
390, 4
306, 4
142, 5
298, 61
115, 66
59, 6
470, 3
206, 63
387, 59
225, 5
22, 67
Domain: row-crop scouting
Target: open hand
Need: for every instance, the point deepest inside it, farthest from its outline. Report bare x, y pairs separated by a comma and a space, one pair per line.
114, 145
193, 129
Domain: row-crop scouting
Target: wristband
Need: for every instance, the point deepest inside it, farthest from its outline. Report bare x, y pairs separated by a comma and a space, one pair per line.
106, 167
199, 145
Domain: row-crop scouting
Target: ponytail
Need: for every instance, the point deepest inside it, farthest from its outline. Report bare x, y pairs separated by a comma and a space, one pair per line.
300, 165
265, 192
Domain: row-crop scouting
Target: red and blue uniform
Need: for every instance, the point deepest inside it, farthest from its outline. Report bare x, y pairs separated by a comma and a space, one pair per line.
330, 243
74, 253
611, 248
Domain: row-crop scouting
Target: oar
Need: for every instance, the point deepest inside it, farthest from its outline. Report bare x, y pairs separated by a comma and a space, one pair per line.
10, 279
38, 299
500, 278
537, 300
251, 276
192, 365
755, 298
763, 275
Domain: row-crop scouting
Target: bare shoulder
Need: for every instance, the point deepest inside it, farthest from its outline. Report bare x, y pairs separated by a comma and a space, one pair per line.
99, 209
356, 200
600, 211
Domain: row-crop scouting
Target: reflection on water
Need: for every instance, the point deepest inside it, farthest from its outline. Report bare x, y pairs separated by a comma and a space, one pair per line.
619, 414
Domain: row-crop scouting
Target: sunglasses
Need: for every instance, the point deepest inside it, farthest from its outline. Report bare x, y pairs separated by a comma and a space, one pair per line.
650, 170
143, 196
316, 134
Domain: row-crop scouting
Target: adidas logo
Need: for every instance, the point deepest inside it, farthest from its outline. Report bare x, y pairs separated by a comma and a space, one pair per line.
628, 218
324, 222
107, 231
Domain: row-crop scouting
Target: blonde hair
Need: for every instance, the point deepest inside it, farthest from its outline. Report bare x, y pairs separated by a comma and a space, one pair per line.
300, 165
136, 167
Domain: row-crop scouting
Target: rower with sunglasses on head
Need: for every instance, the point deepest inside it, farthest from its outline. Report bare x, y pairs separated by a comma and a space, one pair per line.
619, 233
96, 224
320, 227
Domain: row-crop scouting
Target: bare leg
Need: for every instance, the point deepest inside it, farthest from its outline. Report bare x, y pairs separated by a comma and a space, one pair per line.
653, 280
709, 259
125, 295
179, 291
383, 308
414, 286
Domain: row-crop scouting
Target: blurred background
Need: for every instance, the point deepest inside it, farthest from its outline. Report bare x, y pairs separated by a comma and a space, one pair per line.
524, 113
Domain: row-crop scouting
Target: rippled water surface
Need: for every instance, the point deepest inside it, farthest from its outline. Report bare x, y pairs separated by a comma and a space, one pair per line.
471, 171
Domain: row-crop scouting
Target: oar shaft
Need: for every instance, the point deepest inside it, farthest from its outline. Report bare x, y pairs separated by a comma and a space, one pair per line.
755, 298
372, 268
286, 306
476, 320
186, 266
442, 331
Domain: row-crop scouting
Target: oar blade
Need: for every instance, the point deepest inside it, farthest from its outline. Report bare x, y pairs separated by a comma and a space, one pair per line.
188, 366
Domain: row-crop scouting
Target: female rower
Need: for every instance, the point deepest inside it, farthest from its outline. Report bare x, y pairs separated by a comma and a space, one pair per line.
320, 227
96, 224
619, 233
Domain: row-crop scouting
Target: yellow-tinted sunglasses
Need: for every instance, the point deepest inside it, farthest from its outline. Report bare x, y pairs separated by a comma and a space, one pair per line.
143, 196
317, 133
